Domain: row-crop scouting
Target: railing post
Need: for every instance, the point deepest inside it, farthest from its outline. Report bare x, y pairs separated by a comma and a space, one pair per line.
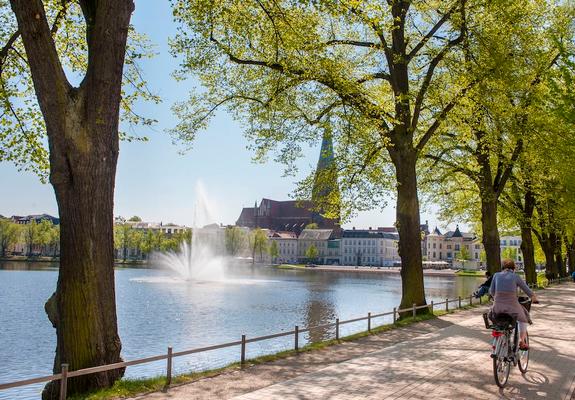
414, 310
243, 356
169, 368
431, 307
369, 322
296, 338
337, 329
394, 312
64, 382
446, 305
459, 304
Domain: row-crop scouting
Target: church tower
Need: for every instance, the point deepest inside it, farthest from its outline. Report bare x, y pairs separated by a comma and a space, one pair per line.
325, 192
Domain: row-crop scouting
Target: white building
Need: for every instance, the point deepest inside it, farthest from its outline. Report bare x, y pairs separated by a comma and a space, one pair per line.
369, 248
511, 248
287, 247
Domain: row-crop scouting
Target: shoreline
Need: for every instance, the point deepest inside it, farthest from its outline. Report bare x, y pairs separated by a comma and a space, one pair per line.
374, 270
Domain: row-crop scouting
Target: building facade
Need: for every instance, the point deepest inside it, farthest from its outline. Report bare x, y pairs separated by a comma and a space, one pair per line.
370, 248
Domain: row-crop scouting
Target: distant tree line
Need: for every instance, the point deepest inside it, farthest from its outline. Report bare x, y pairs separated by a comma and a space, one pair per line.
32, 239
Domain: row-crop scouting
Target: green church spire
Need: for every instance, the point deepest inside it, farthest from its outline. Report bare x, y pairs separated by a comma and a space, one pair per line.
325, 194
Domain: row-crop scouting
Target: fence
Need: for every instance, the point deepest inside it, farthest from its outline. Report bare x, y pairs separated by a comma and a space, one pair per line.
64, 375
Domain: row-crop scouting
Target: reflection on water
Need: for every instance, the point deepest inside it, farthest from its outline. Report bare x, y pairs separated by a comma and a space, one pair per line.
157, 310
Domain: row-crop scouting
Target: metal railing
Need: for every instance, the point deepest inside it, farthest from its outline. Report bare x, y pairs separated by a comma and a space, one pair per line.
64, 375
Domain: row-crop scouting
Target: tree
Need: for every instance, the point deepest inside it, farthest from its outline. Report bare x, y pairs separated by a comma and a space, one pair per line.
365, 71
258, 243
510, 253
81, 124
311, 253
31, 237
235, 239
135, 218
484, 139
274, 251
313, 225
9, 234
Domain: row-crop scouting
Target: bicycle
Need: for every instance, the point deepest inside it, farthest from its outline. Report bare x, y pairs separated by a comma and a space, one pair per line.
504, 351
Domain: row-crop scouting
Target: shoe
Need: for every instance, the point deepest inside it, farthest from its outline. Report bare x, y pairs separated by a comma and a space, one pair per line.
523, 347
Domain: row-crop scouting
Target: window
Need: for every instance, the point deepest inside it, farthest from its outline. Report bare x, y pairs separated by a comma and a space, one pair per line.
448, 247
434, 254
504, 243
476, 256
456, 247
448, 256
477, 247
434, 245
440, 246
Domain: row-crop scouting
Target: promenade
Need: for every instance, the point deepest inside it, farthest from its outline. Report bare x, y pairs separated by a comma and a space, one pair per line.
446, 358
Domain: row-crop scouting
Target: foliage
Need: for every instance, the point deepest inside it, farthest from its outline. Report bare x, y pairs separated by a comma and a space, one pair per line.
235, 240
313, 225
274, 250
464, 253
311, 253
258, 243
22, 130
510, 253
9, 235
293, 70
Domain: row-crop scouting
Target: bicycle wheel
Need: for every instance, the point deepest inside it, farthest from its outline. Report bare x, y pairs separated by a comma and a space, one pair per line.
501, 363
523, 357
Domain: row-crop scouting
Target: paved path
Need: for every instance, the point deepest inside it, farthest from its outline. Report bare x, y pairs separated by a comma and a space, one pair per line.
447, 361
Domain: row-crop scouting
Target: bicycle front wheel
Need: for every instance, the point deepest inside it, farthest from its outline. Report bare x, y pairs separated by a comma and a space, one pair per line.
523, 357
501, 362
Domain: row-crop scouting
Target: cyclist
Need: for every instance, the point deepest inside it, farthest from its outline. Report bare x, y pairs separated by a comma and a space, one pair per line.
504, 291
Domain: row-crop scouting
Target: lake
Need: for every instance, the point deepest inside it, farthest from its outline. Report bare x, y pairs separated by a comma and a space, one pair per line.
156, 310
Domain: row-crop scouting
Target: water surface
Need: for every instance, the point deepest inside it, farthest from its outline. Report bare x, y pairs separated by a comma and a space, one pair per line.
157, 310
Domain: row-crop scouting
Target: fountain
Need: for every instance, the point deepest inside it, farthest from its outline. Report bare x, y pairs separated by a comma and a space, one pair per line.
202, 257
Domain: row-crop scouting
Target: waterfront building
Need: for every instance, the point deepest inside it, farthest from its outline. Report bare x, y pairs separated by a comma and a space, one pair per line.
37, 218
511, 248
369, 247
326, 241
453, 246
287, 246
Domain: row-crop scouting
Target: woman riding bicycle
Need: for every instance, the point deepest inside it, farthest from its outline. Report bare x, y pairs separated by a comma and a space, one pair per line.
504, 291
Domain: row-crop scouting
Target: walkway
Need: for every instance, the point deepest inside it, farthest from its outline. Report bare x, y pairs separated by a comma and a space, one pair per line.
447, 358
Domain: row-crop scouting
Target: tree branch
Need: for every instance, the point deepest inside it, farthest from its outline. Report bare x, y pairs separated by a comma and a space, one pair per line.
431, 69
431, 32
454, 167
502, 176
433, 128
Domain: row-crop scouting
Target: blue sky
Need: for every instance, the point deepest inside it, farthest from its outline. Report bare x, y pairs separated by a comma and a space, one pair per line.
158, 183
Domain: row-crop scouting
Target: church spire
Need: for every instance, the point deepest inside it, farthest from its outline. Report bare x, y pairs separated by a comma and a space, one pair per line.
325, 193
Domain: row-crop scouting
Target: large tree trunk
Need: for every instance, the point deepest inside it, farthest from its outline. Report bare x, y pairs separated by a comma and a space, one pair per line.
558, 250
85, 308
527, 246
490, 232
408, 226
82, 128
545, 241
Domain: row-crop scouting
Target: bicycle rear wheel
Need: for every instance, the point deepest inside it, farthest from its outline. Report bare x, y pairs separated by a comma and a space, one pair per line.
501, 362
523, 357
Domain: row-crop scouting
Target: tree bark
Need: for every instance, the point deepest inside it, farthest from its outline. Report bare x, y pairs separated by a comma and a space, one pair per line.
527, 246
545, 241
570, 254
490, 239
82, 127
558, 250
408, 226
